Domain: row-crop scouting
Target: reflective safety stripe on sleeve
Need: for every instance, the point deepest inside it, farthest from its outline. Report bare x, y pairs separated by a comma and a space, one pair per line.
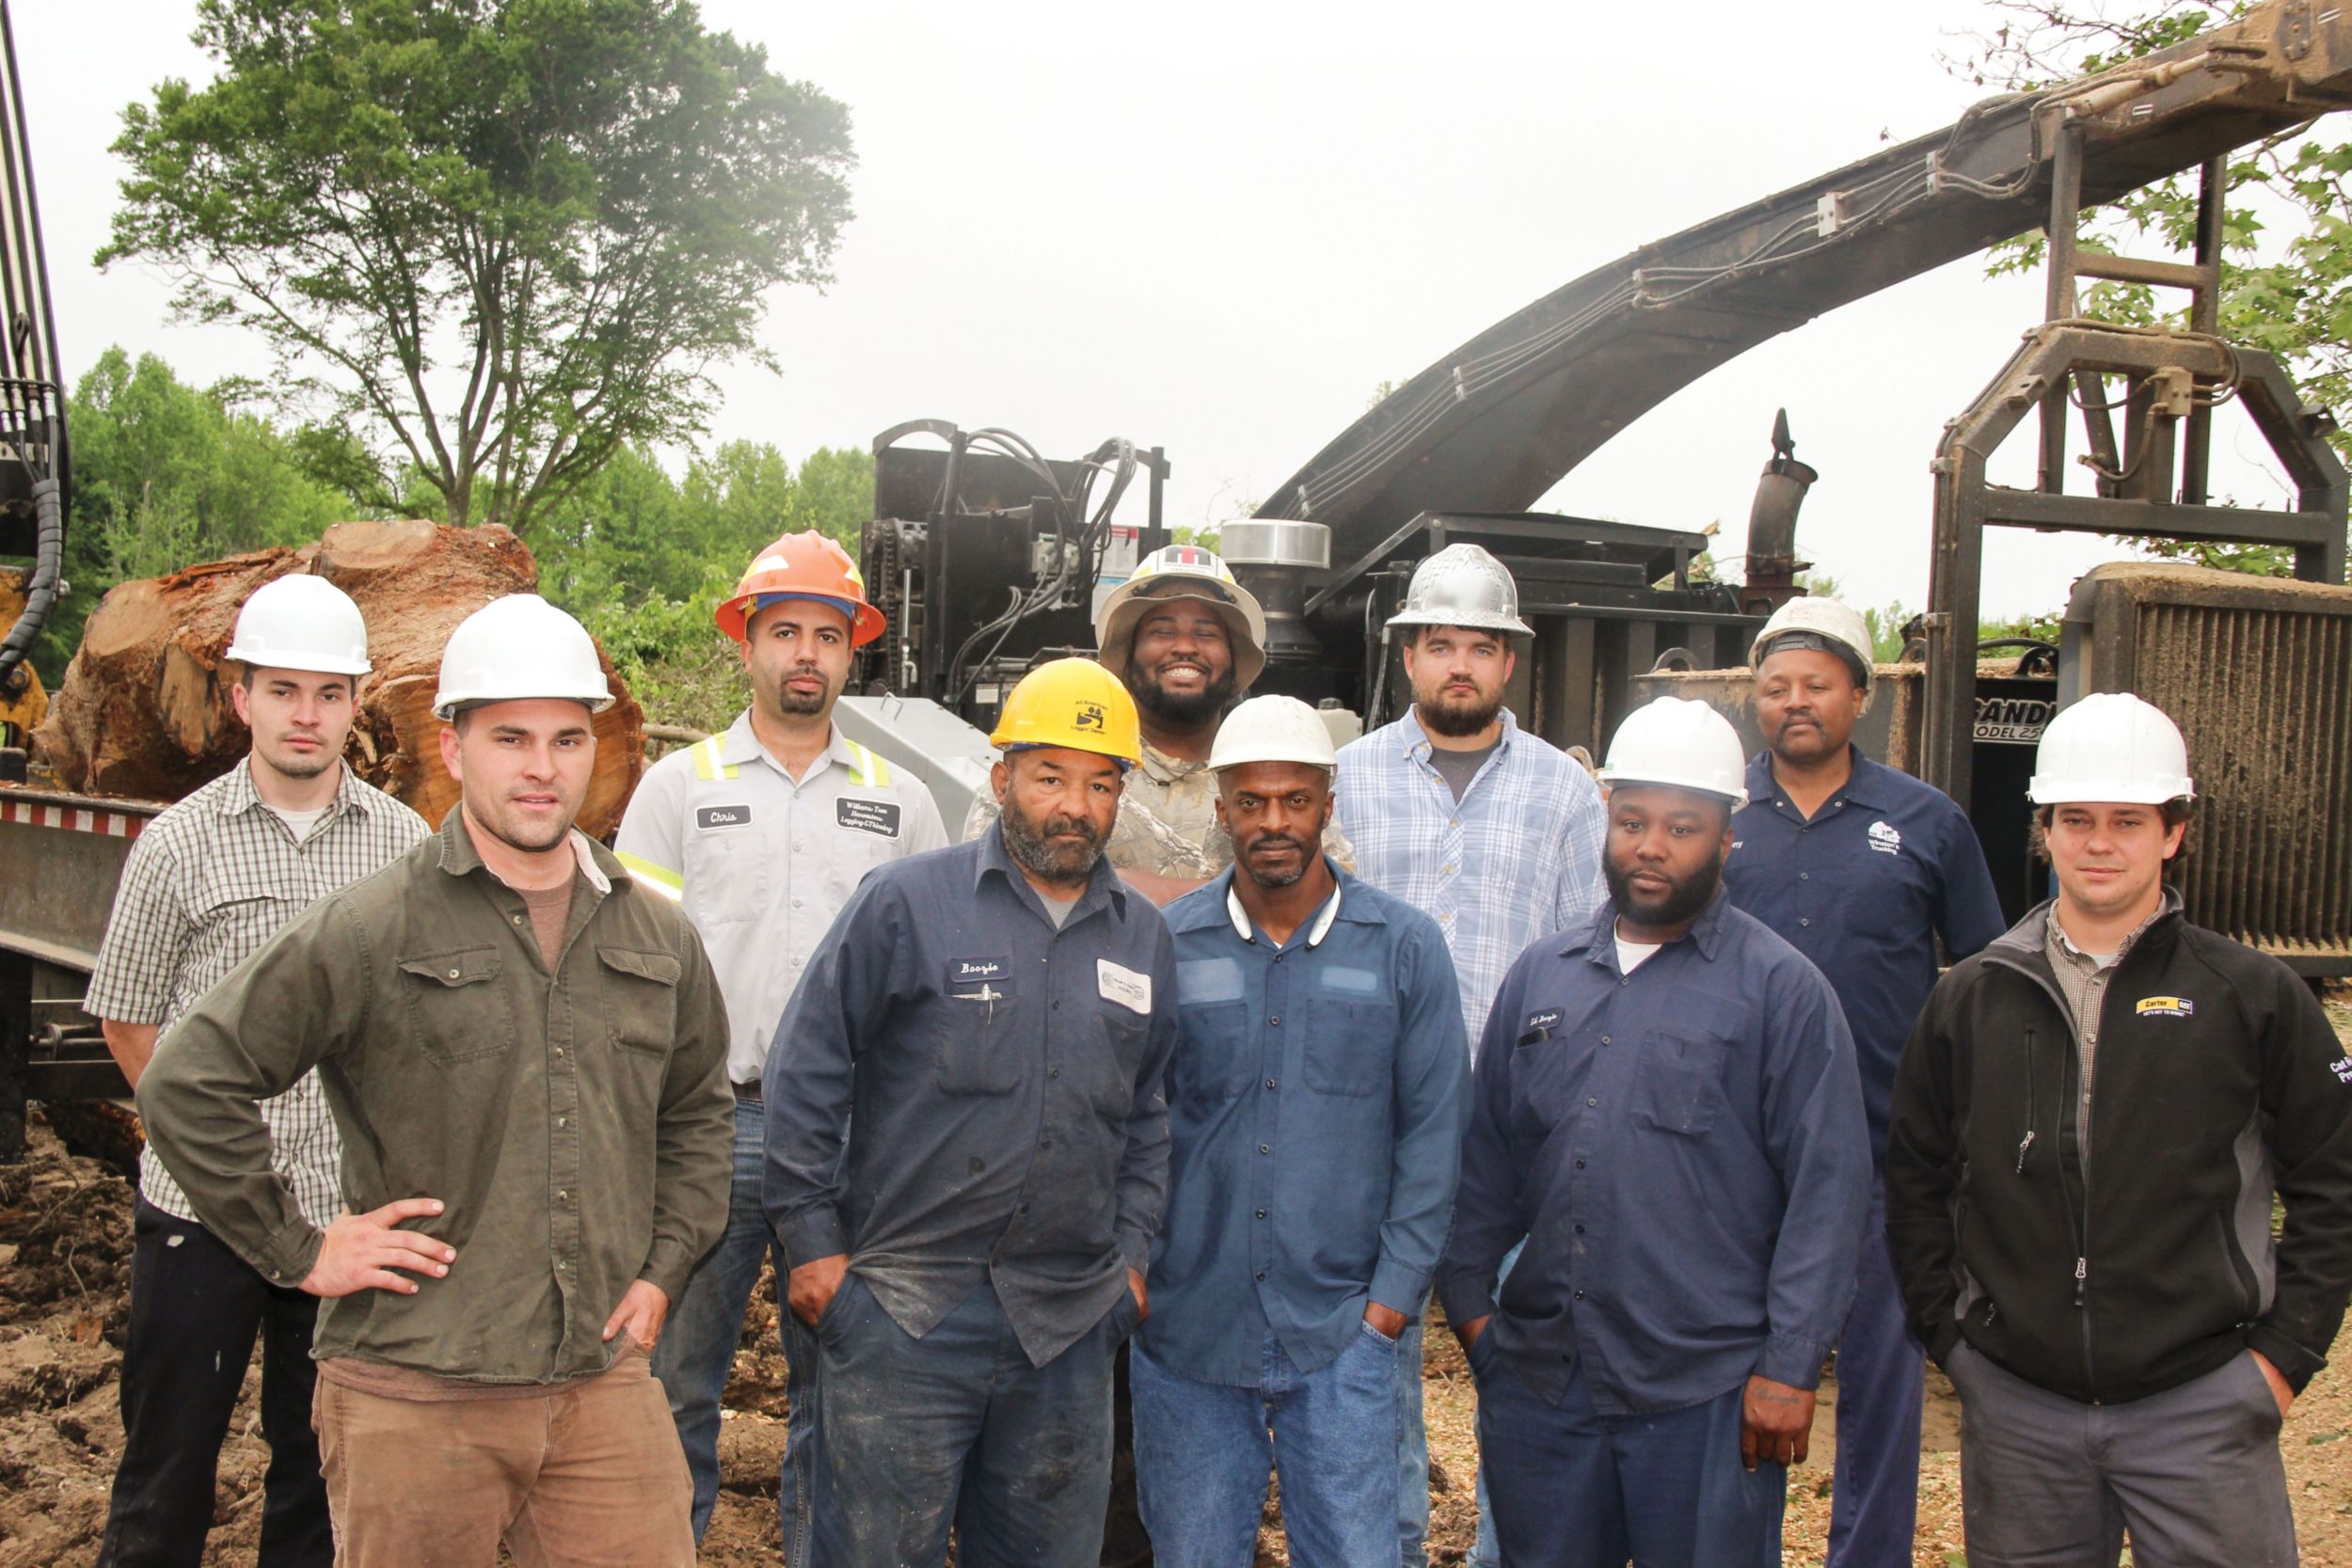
658, 879
711, 764
868, 768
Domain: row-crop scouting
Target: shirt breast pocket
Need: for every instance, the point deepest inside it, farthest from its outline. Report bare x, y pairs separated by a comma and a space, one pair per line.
456, 1006
729, 870
640, 998
979, 1047
1351, 1046
233, 921
1212, 1062
1111, 1076
1680, 1088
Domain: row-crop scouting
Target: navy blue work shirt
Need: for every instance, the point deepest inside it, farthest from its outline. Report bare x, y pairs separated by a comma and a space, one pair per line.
1316, 1104
959, 1092
1684, 1151
1863, 890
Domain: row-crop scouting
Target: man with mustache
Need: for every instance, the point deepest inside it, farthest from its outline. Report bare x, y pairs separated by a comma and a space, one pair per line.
1184, 638
524, 1052
1860, 868
760, 835
1315, 1115
968, 1154
2119, 1188
1666, 1110
1488, 830
207, 883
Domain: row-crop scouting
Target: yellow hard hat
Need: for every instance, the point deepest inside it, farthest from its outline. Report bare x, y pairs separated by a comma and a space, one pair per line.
1073, 703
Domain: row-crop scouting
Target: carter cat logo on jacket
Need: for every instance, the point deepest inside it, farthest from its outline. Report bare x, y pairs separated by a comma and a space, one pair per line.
2165, 1006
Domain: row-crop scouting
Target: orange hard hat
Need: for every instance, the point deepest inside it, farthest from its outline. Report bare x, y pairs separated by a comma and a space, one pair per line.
803, 566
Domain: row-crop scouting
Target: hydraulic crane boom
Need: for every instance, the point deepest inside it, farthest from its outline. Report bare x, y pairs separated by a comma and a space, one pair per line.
1495, 424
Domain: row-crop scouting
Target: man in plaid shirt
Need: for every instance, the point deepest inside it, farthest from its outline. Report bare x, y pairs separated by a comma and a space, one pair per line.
1489, 831
209, 882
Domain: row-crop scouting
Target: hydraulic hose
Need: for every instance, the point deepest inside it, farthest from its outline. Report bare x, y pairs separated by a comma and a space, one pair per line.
40, 595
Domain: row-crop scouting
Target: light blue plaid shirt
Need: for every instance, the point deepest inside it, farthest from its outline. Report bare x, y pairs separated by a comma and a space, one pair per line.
1516, 860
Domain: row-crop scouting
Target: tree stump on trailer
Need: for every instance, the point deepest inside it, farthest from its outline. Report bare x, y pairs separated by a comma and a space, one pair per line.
144, 709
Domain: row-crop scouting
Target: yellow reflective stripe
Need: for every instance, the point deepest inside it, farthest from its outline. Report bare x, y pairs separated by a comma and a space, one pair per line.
868, 770
709, 764
660, 879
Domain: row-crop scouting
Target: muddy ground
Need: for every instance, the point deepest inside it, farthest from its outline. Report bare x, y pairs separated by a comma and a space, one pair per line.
65, 1225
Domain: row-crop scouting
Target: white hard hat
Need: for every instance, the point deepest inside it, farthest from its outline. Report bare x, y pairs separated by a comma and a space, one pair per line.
2110, 745
1462, 586
517, 648
1816, 623
1183, 572
1683, 745
1273, 729
300, 622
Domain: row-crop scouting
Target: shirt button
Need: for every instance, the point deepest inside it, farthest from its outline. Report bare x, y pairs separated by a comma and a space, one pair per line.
559, 1051
1802, 876
1592, 1103
516, 918
1604, 1039
796, 903
1053, 1072
1575, 1295
1262, 1273
1265, 1149
562, 1123
1804, 923
1580, 1165
563, 1197
798, 847
1058, 1007
452, 974
1270, 1082
1024, 1208
1262, 1213
1275, 1019
1580, 1230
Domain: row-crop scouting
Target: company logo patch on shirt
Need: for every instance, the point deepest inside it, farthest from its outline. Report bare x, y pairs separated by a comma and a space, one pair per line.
1543, 1019
1123, 985
710, 817
1885, 839
2164, 1006
971, 971
1349, 981
2342, 1067
867, 817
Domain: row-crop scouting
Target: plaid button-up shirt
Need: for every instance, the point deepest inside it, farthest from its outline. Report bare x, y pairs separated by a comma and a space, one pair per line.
1517, 859
207, 883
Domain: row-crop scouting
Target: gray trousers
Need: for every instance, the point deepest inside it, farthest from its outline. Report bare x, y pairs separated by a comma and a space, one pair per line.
2193, 1473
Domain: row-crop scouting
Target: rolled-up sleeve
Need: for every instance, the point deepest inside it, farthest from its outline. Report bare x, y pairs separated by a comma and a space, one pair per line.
1816, 1138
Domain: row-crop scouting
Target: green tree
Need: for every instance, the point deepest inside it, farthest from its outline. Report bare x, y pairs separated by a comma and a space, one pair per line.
167, 474
2286, 277
491, 242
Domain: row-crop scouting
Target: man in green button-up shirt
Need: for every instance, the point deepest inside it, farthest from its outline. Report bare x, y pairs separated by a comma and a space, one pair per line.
524, 1053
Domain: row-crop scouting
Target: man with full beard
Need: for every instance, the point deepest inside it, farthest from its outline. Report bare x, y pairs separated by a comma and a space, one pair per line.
1487, 830
1666, 1109
760, 835
1184, 638
967, 1152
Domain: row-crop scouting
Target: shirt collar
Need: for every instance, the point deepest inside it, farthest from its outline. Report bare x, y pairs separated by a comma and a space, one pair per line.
239, 796
1867, 788
740, 744
1600, 942
459, 856
1319, 928
2062, 944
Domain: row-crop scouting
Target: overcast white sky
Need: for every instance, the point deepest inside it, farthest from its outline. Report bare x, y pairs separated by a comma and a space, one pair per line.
1218, 228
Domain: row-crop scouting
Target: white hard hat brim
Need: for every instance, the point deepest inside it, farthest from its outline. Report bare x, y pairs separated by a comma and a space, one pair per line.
317, 664
1469, 619
2043, 790
1649, 776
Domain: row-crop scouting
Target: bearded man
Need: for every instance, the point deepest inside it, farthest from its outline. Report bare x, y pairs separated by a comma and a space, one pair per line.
966, 1158
1667, 1111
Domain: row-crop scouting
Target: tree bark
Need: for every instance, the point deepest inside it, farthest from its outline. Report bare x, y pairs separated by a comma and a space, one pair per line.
145, 711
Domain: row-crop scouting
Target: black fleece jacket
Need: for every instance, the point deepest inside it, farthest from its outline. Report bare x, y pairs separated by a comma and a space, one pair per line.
2217, 1081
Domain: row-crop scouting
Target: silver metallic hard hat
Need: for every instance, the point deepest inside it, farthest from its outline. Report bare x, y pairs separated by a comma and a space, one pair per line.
1462, 586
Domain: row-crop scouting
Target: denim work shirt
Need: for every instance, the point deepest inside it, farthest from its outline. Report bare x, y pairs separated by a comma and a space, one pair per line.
1863, 890
1315, 1114
1683, 1150
959, 1092
575, 1119
1515, 860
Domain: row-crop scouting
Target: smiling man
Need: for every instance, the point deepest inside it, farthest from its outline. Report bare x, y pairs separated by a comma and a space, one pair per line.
524, 1052
1666, 1112
761, 833
967, 1153
1316, 1103
208, 883
2091, 1122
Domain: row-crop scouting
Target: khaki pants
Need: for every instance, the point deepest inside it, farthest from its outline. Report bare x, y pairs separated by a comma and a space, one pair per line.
590, 1476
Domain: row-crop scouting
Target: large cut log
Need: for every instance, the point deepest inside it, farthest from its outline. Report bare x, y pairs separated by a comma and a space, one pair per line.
144, 709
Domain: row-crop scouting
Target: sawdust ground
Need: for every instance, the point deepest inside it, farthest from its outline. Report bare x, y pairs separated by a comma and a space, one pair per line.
65, 1225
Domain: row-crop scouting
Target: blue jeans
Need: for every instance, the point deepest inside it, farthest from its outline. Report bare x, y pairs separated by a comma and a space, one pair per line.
1573, 1488
1202, 1451
1874, 1503
1412, 1448
698, 1342
1482, 1550
958, 1427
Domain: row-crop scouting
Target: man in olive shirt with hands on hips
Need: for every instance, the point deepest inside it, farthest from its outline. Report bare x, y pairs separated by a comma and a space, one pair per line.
524, 1053
968, 1154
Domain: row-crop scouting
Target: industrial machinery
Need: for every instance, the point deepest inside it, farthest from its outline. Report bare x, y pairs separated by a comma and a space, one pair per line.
34, 469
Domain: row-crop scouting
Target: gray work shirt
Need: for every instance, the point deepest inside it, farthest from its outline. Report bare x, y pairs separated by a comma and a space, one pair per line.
959, 1092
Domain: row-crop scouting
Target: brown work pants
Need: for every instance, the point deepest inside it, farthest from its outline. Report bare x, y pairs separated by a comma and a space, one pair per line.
588, 1476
